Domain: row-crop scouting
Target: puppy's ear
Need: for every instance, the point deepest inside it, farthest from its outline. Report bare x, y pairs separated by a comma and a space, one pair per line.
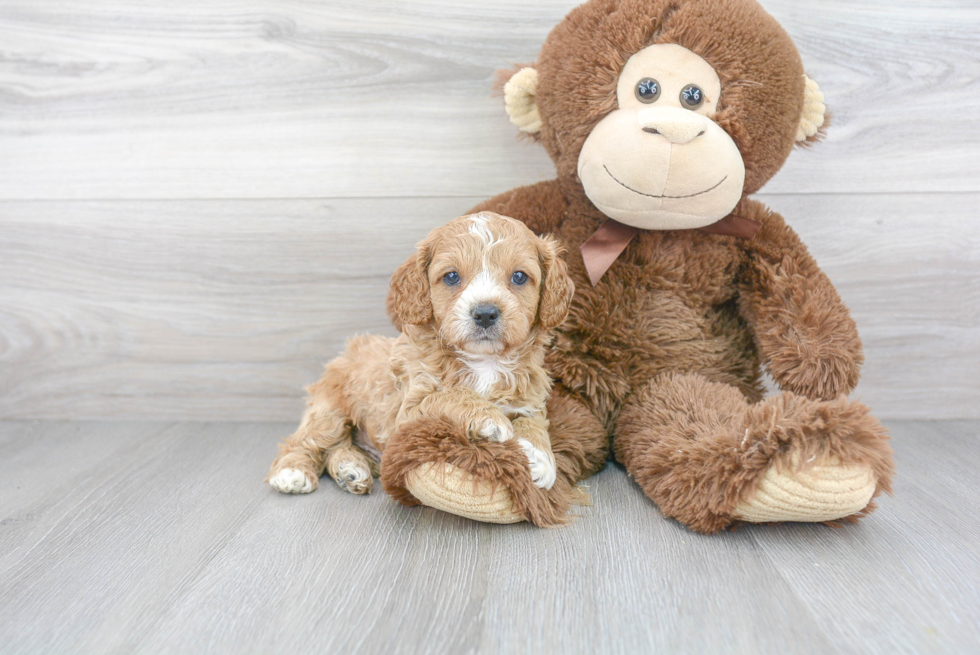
408, 300
557, 288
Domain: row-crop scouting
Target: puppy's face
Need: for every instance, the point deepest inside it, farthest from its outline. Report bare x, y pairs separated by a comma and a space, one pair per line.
484, 282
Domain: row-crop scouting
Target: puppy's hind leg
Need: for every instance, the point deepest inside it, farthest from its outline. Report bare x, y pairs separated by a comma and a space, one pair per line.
351, 468
303, 456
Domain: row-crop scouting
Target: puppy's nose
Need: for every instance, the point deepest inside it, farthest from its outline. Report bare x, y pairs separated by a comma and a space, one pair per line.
485, 315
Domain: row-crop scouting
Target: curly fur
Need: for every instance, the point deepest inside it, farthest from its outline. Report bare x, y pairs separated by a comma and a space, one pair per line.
462, 384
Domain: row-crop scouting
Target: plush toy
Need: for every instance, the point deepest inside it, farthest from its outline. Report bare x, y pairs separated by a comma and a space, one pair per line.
662, 118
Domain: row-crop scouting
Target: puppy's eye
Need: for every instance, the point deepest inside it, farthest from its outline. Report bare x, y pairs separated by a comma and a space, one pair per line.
647, 90
692, 97
451, 278
519, 278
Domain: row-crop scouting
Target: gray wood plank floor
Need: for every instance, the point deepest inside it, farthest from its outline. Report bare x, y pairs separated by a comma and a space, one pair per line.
161, 538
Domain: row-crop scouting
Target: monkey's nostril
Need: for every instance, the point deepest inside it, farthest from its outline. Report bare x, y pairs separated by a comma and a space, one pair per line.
485, 315
651, 130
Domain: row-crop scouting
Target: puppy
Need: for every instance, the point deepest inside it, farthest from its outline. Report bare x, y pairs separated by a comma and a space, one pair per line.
477, 302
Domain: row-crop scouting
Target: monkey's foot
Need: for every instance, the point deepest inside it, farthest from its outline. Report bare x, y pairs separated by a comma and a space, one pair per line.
432, 462
453, 490
827, 492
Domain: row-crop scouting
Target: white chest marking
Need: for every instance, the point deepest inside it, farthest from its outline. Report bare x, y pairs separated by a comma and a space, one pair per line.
484, 372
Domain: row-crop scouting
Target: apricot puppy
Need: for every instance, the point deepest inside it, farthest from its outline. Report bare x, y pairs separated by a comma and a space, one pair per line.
478, 301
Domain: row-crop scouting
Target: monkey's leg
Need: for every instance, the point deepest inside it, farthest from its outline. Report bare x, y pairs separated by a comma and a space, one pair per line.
433, 462
579, 441
709, 458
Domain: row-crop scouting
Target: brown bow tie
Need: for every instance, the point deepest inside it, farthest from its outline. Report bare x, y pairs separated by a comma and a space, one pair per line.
605, 246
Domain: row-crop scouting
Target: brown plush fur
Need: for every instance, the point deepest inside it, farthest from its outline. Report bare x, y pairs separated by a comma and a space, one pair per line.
578, 441
439, 440
665, 352
760, 71
661, 441
486, 383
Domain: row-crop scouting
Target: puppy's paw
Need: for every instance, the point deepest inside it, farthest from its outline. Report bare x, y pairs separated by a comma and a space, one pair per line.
292, 481
354, 476
494, 429
543, 471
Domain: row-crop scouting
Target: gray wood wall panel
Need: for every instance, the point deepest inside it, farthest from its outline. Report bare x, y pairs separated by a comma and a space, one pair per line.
200, 201
201, 309
310, 98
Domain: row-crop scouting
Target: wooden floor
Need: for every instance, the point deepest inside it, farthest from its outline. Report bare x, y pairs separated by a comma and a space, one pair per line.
162, 538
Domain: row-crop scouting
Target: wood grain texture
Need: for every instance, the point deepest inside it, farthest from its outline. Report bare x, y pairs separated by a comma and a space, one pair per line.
919, 566
314, 98
161, 538
224, 310
174, 298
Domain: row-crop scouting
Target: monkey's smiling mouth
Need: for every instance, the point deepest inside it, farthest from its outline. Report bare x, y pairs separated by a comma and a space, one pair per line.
650, 195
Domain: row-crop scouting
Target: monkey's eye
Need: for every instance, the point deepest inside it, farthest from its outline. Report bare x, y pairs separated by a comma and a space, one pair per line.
519, 278
692, 97
451, 278
647, 90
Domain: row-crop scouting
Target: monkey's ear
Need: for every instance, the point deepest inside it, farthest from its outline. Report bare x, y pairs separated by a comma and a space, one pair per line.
557, 287
520, 99
814, 113
408, 299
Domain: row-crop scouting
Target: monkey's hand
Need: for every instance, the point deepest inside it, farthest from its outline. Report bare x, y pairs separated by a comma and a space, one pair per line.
802, 329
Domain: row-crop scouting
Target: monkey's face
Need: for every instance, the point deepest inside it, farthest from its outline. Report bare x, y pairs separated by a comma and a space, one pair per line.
666, 111
659, 161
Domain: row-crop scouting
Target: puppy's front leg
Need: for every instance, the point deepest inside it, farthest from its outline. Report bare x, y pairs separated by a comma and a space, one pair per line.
481, 418
532, 435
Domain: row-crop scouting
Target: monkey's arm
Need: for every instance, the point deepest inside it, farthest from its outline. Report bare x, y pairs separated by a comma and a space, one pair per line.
802, 329
540, 206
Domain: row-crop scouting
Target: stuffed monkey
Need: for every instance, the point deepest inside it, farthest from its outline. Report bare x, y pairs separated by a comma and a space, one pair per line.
662, 118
